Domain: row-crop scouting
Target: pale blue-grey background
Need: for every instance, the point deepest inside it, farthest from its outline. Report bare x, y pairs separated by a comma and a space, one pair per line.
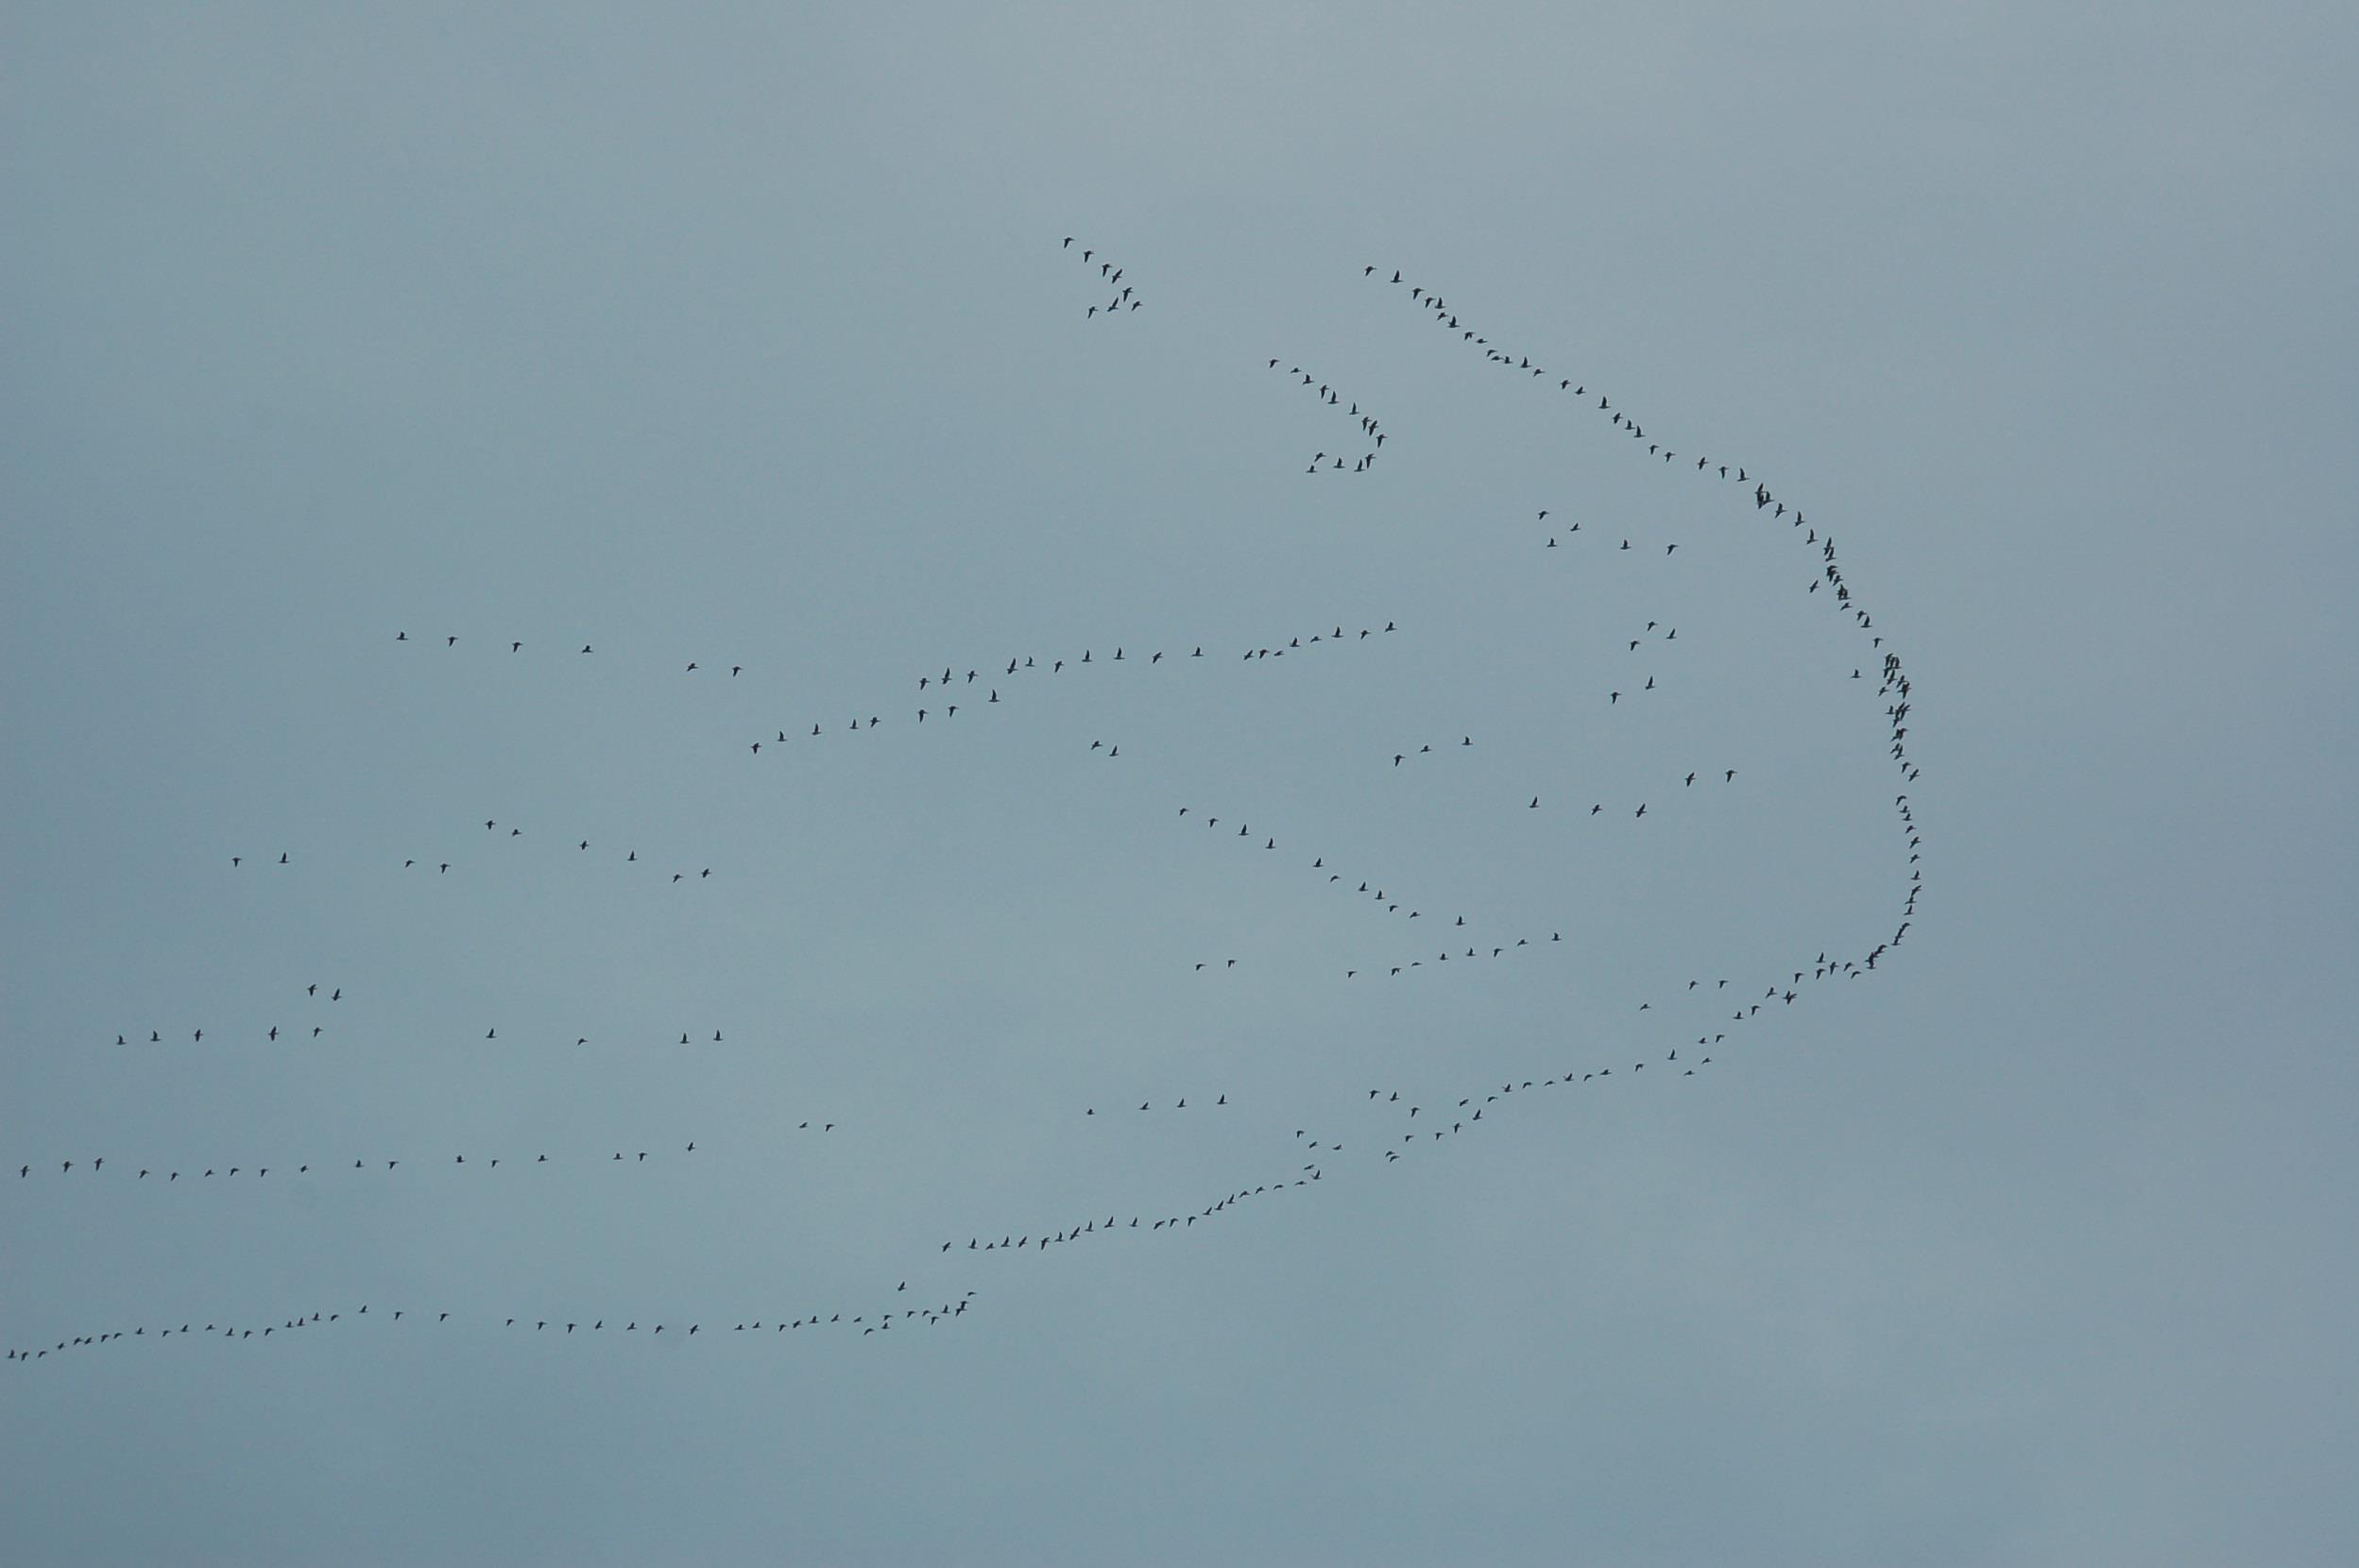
745, 339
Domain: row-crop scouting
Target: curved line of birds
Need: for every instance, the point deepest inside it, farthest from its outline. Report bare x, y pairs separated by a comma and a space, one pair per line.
1467, 1111
1089, 1227
566, 1328
1324, 1148
1110, 275
1370, 431
1893, 680
1762, 496
1463, 1117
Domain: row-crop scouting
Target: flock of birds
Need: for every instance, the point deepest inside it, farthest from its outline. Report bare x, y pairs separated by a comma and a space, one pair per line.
869, 1320
271, 1033
1110, 276
167, 1175
941, 698
1369, 432
1387, 1125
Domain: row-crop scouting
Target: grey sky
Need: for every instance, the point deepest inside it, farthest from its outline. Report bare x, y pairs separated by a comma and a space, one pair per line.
749, 341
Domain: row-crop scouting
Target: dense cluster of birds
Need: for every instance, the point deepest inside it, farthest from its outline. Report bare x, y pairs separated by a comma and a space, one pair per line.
1091, 1228
1712, 1018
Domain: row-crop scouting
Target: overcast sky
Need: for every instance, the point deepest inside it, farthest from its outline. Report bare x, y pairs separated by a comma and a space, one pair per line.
749, 342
